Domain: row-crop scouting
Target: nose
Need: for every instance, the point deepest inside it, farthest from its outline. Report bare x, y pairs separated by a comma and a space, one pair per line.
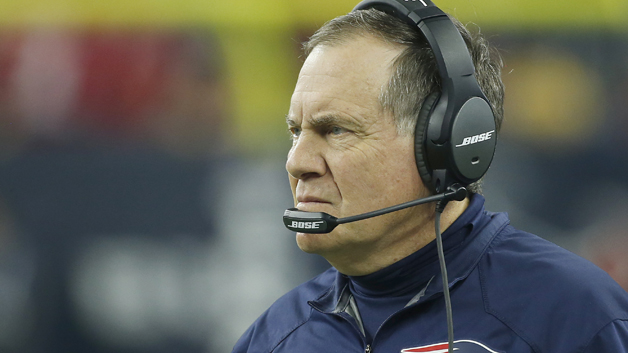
305, 159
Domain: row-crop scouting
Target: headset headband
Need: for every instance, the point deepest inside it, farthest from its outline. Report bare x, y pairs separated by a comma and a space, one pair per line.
461, 111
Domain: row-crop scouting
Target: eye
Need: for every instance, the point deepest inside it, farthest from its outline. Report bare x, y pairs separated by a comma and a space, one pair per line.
337, 130
294, 132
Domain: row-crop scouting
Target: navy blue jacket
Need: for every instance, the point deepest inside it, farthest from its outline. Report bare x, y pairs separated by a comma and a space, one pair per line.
511, 292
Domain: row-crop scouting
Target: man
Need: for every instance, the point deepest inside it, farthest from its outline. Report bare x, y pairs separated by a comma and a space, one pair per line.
352, 118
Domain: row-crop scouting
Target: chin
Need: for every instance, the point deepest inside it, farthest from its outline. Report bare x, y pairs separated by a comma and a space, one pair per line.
308, 242
316, 243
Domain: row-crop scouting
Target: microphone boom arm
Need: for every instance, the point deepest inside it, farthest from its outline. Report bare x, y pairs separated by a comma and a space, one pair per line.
321, 222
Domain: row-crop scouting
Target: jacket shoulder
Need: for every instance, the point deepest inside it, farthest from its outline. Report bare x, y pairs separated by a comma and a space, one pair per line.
544, 292
285, 315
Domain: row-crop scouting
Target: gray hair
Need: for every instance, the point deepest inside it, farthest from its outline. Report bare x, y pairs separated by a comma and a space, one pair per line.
414, 72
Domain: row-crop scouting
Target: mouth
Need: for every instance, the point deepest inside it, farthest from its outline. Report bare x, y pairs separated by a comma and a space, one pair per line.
312, 204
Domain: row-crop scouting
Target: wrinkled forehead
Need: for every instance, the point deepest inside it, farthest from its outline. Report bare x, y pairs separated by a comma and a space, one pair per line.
357, 51
359, 67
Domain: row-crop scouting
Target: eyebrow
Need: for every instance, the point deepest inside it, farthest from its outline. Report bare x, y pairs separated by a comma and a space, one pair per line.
290, 122
325, 120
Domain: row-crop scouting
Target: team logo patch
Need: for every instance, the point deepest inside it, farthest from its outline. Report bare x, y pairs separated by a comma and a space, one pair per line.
462, 346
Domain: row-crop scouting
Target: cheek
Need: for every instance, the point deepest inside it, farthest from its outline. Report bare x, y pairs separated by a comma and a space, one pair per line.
399, 181
405, 172
383, 176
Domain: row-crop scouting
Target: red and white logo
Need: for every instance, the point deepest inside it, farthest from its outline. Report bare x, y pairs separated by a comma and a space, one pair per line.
462, 346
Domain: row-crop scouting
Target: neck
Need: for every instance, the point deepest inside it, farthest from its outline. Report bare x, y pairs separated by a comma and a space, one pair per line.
374, 257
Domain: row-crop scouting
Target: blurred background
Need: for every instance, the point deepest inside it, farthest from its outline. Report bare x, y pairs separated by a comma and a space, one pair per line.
142, 149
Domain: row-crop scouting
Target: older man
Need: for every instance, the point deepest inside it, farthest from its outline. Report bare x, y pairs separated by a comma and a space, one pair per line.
353, 117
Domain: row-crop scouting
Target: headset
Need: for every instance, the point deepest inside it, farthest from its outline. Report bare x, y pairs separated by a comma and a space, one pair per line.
455, 135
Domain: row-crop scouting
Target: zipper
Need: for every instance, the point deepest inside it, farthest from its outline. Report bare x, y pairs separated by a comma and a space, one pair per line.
368, 349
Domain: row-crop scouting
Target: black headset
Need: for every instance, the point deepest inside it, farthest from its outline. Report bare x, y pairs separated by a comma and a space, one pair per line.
455, 135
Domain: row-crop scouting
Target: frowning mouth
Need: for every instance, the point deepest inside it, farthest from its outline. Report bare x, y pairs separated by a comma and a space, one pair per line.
313, 204
310, 199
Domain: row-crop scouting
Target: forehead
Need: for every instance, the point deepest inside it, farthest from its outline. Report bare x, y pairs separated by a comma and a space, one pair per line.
349, 74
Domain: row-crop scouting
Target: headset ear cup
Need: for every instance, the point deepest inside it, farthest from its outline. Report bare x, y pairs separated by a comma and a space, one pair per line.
419, 138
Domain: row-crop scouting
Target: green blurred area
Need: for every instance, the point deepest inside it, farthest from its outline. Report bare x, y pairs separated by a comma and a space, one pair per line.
260, 39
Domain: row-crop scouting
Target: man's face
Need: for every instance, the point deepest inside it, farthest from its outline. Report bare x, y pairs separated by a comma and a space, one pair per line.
347, 157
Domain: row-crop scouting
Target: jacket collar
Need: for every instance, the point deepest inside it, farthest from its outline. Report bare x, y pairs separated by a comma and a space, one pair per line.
466, 240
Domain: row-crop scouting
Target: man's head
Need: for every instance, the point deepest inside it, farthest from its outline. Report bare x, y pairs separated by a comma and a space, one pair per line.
414, 75
352, 119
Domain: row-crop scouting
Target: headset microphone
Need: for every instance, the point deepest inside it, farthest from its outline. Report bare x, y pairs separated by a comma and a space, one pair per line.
321, 222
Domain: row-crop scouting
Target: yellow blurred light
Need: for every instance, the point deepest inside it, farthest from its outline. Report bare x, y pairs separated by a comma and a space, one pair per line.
551, 98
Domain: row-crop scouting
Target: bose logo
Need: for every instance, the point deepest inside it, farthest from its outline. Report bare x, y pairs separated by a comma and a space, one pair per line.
422, 2
306, 225
477, 138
